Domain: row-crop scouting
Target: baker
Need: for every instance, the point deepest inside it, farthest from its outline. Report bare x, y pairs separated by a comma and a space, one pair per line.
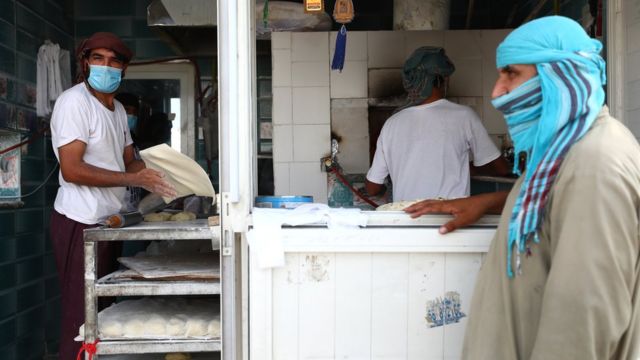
92, 142
427, 145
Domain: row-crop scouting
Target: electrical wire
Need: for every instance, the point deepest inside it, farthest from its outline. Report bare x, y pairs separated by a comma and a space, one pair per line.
24, 142
36, 189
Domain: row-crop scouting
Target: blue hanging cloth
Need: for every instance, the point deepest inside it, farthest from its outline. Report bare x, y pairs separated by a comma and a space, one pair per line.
340, 51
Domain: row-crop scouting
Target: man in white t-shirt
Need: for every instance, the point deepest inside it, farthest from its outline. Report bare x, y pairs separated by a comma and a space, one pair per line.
426, 147
91, 140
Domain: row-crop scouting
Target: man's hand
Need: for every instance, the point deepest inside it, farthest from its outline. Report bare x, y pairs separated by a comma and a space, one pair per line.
465, 211
154, 181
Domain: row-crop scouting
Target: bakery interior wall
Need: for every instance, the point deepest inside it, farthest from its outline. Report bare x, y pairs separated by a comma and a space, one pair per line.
310, 101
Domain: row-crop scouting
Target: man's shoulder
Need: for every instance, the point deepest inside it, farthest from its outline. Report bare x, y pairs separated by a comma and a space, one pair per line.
77, 92
607, 145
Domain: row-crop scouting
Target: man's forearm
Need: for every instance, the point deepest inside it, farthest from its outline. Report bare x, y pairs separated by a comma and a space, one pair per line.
89, 175
135, 166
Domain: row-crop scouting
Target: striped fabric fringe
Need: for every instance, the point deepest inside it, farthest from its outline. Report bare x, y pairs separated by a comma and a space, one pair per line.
569, 94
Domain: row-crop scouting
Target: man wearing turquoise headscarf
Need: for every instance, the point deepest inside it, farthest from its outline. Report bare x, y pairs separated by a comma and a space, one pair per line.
561, 279
427, 145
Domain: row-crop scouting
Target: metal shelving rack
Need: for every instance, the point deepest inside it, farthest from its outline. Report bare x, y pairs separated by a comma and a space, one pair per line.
110, 286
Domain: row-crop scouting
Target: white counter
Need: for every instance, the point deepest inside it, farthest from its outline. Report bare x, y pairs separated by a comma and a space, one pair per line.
366, 293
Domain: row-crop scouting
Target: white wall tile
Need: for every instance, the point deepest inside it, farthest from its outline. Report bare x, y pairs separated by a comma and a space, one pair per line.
356, 45
281, 178
282, 106
351, 82
632, 92
350, 120
282, 143
490, 41
310, 46
310, 73
416, 39
281, 40
386, 49
311, 105
385, 83
492, 119
281, 65
467, 79
311, 142
463, 44
307, 179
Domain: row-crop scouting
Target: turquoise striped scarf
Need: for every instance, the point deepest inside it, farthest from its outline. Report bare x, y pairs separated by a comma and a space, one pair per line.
549, 113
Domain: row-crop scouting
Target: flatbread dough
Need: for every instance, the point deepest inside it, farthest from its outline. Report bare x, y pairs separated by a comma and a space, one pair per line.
160, 318
161, 216
180, 170
396, 206
183, 216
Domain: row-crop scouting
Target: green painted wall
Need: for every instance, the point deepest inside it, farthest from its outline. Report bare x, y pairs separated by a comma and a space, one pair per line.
29, 295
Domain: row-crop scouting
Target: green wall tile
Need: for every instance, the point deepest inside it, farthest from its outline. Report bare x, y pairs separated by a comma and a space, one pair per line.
7, 332
37, 6
51, 287
30, 346
7, 222
142, 30
7, 61
30, 296
28, 21
29, 221
26, 68
56, 15
29, 245
8, 305
51, 189
32, 170
7, 249
152, 49
8, 352
49, 264
120, 27
7, 277
7, 8
29, 270
35, 200
7, 34
26, 43
90, 8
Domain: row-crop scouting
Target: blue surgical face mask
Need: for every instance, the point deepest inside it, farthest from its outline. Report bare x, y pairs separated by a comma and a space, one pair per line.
132, 120
104, 79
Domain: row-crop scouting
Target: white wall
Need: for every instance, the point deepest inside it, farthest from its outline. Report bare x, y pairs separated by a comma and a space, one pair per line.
309, 100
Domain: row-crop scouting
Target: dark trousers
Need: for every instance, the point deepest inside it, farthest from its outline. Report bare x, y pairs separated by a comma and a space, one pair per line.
68, 249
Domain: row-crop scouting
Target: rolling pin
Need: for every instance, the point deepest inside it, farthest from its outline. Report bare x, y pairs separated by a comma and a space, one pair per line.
148, 204
124, 219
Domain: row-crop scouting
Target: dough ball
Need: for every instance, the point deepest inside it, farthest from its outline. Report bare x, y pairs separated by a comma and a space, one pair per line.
197, 327
155, 326
111, 329
176, 327
177, 356
134, 328
161, 216
214, 329
183, 216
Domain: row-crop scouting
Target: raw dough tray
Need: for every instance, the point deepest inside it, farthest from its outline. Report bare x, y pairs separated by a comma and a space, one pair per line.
160, 318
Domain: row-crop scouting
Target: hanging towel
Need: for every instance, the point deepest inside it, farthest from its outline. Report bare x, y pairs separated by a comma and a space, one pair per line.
53, 76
